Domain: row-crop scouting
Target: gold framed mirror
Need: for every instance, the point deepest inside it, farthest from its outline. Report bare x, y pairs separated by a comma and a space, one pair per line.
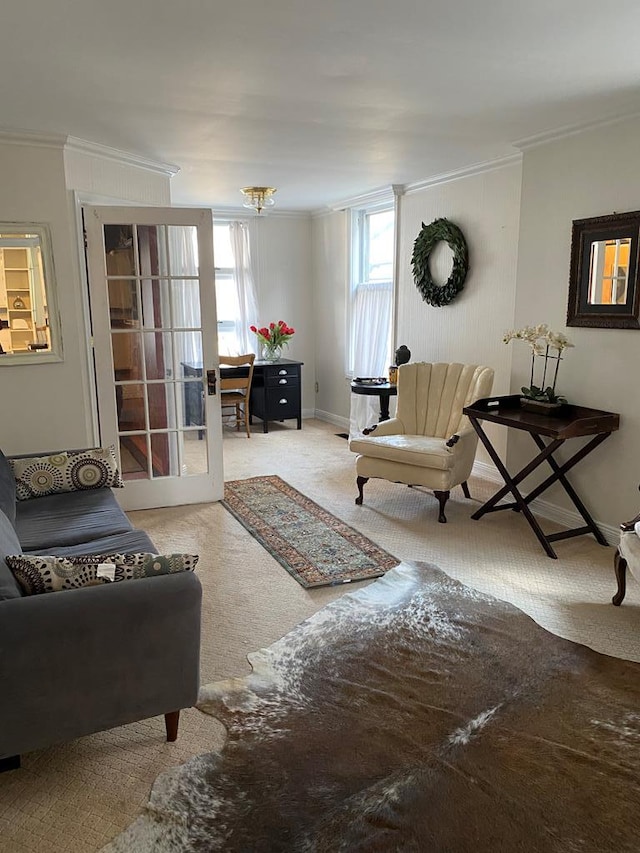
29, 324
603, 282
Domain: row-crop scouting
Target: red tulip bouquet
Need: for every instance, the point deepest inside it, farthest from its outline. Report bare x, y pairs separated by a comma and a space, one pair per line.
273, 338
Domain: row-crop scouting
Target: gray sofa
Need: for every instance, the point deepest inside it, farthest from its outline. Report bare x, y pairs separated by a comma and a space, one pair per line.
88, 659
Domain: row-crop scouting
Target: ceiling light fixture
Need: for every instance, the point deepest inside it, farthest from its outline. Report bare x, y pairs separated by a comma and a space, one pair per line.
258, 197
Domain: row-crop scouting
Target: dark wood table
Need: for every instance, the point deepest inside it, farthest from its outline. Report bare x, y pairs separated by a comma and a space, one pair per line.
575, 421
383, 390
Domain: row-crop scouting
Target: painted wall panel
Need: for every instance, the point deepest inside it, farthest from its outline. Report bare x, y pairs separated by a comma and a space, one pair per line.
587, 174
281, 257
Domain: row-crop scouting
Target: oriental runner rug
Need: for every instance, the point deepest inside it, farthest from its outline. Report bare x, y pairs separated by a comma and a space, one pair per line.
415, 714
314, 546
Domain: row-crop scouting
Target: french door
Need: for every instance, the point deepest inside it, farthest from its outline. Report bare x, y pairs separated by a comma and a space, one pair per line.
153, 313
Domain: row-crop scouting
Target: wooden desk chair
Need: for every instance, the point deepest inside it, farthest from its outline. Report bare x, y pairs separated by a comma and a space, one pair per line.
236, 375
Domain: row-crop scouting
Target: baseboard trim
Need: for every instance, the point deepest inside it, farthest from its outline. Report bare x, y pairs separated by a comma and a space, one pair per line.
330, 418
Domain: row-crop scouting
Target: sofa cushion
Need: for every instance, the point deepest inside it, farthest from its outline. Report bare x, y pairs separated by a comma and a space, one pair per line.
419, 450
46, 573
7, 489
9, 544
68, 519
135, 541
68, 471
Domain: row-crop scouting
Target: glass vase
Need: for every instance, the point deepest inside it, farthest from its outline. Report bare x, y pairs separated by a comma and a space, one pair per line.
272, 353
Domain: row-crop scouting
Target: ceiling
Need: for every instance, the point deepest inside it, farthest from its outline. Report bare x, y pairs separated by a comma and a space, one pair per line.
323, 100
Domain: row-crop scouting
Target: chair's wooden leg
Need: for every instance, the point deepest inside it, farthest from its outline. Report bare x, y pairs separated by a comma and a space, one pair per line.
360, 481
465, 489
11, 762
246, 419
620, 565
443, 497
171, 721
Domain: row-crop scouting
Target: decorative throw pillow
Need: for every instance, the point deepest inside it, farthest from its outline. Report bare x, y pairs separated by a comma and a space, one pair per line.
53, 574
70, 471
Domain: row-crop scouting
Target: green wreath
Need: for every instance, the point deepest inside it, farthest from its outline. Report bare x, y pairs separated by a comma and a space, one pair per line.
429, 236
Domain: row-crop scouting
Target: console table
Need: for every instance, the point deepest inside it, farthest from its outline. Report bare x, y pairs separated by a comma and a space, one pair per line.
575, 421
276, 391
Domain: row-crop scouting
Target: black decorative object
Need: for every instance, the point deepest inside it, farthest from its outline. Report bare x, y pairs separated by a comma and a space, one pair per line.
429, 236
403, 354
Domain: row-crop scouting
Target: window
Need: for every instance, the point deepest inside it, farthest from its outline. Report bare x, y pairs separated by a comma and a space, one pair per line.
226, 292
371, 295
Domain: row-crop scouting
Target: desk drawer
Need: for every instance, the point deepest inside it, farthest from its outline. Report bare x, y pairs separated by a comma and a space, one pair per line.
282, 381
275, 372
282, 403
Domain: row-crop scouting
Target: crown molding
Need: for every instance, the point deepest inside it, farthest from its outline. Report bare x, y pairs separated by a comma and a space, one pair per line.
465, 172
569, 130
82, 146
32, 138
379, 196
105, 152
244, 213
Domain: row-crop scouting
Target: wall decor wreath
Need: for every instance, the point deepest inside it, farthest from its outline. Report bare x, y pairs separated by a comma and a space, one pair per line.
429, 236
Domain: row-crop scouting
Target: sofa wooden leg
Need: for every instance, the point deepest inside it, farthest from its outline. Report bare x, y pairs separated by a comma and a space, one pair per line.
360, 481
620, 565
465, 489
443, 497
11, 762
171, 721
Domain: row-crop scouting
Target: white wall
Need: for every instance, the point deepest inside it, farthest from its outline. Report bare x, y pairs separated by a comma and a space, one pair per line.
329, 249
281, 257
470, 329
51, 404
588, 174
43, 405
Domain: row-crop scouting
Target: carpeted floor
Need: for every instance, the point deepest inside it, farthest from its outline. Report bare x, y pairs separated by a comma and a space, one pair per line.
77, 796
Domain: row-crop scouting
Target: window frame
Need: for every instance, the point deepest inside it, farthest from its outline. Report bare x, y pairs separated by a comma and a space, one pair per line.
359, 245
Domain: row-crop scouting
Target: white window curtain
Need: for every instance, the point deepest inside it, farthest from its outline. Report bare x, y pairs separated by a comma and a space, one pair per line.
245, 289
184, 261
372, 310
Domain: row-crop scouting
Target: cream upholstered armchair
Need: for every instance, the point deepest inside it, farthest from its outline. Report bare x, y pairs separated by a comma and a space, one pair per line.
429, 442
627, 556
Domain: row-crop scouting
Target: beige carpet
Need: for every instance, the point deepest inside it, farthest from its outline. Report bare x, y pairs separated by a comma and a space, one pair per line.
77, 796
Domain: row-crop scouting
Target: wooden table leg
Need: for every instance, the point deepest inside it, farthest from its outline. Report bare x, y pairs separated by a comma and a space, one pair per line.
511, 486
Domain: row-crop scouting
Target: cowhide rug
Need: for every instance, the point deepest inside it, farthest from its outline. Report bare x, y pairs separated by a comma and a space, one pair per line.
415, 714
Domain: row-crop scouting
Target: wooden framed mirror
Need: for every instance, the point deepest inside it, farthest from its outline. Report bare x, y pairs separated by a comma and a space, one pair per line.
604, 291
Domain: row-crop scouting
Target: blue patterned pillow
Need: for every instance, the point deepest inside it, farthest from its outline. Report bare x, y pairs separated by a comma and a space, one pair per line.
70, 471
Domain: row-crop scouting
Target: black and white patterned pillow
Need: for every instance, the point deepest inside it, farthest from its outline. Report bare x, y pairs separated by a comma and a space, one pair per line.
39, 574
71, 471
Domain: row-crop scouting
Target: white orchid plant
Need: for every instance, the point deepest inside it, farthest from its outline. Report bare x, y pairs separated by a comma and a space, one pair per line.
549, 346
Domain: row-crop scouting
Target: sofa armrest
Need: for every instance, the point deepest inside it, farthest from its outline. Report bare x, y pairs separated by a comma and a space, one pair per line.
85, 660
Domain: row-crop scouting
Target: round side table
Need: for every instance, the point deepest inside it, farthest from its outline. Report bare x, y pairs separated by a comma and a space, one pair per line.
383, 391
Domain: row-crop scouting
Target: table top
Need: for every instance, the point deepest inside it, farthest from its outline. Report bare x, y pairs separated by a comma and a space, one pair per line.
369, 387
574, 420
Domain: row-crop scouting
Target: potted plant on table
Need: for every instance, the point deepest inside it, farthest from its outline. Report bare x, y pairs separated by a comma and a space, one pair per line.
273, 338
548, 346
